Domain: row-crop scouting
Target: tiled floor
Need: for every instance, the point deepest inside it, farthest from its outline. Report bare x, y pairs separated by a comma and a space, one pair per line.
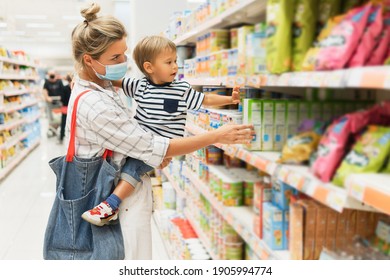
26, 196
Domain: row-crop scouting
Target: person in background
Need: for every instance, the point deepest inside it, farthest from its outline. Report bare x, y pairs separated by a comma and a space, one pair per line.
162, 108
64, 109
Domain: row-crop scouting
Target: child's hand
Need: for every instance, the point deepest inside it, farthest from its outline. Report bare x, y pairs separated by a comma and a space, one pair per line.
236, 95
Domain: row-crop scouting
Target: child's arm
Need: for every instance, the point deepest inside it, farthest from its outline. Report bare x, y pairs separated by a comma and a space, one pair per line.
218, 100
117, 83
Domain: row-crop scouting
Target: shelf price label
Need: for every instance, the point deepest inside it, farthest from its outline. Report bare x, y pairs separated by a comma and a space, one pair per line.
230, 82
282, 174
296, 180
356, 189
240, 81
336, 201
271, 168
254, 81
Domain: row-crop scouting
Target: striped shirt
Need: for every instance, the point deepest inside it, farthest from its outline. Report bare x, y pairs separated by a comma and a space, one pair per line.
162, 109
104, 122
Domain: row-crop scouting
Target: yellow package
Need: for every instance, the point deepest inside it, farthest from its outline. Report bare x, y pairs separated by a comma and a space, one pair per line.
299, 148
309, 62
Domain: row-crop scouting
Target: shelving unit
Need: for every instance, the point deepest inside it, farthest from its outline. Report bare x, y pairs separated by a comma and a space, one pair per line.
11, 108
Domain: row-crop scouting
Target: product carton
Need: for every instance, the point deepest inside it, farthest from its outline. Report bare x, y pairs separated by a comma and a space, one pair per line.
273, 226
331, 228
279, 135
304, 112
322, 213
361, 223
341, 232
297, 220
281, 194
252, 114
351, 224
292, 118
242, 34
267, 128
256, 54
286, 230
262, 192
309, 229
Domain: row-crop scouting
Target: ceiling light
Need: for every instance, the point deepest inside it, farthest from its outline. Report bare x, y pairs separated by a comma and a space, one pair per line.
40, 25
42, 17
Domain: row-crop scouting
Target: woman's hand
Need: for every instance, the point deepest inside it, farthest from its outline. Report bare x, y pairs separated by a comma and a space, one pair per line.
235, 134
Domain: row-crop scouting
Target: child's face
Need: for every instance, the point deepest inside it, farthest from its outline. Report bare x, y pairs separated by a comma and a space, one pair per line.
164, 67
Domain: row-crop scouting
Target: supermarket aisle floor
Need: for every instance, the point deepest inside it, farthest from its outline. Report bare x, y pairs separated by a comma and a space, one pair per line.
26, 197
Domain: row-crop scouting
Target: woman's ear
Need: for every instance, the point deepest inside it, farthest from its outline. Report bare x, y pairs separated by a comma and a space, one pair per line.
148, 67
87, 60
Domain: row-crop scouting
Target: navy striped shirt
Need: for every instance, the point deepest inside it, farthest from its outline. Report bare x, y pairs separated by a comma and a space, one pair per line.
162, 109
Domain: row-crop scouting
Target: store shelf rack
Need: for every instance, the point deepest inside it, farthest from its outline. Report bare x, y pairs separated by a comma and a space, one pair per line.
298, 177
157, 220
363, 77
18, 62
240, 218
174, 184
17, 160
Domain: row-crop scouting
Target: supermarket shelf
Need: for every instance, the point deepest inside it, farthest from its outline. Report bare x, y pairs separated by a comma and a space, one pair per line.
18, 62
235, 15
33, 119
372, 189
364, 77
17, 160
12, 124
178, 190
18, 77
16, 92
205, 240
157, 221
241, 219
19, 107
298, 177
14, 141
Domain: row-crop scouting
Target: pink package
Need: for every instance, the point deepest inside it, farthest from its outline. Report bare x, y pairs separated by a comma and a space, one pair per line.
379, 55
370, 37
337, 49
335, 144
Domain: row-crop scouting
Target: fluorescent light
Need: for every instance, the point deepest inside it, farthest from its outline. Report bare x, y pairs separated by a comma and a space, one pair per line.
3, 24
40, 25
43, 17
49, 33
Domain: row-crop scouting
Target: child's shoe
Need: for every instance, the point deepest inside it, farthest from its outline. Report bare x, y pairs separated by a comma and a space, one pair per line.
100, 215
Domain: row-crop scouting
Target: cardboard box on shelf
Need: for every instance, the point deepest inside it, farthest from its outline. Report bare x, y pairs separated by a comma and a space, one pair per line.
262, 192
273, 227
296, 225
322, 215
310, 213
252, 114
331, 228
341, 232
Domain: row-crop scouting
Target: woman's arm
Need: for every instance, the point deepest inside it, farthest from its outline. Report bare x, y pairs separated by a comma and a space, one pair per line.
227, 134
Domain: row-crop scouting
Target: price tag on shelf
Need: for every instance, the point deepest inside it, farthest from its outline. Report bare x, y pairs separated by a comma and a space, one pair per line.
284, 79
241, 153
261, 163
240, 81
271, 168
229, 218
230, 82
321, 194
296, 180
230, 150
336, 201
309, 187
272, 80
282, 174
336, 79
316, 79
356, 189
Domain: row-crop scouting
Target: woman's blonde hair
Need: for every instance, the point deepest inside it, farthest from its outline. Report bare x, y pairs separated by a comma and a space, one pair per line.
148, 49
95, 34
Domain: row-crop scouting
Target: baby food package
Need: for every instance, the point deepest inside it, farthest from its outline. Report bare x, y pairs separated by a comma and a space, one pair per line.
280, 15
337, 49
303, 30
378, 56
335, 143
368, 155
369, 39
299, 148
310, 60
326, 10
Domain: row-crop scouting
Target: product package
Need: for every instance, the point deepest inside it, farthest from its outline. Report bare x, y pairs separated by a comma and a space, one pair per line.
304, 30
367, 156
370, 38
337, 49
327, 9
280, 14
378, 56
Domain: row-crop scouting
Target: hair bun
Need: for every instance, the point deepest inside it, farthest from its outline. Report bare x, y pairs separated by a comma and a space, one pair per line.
90, 12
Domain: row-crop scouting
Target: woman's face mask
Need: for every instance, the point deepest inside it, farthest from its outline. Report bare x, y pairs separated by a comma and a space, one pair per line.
114, 72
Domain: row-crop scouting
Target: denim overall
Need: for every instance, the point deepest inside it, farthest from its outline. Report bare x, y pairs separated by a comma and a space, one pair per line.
81, 185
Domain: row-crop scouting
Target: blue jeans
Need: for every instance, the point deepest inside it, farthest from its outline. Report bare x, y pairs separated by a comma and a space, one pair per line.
133, 170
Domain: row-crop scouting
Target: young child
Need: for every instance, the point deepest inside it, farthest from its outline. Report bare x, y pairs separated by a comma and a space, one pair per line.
163, 103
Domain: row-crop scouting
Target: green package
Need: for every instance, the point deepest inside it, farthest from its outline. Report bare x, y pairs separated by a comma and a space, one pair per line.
326, 10
280, 15
367, 156
304, 30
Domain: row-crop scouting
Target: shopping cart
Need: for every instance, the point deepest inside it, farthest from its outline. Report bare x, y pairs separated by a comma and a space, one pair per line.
54, 116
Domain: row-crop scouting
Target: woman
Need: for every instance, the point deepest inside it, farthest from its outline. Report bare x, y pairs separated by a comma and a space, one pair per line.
103, 122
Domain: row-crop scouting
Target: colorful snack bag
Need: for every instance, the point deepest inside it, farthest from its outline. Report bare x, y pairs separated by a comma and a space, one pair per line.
310, 60
279, 35
370, 37
303, 30
338, 47
327, 9
299, 148
368, 154
335, 143
378, 56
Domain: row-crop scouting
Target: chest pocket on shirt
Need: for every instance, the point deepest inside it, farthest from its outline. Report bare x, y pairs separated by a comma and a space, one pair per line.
171, 105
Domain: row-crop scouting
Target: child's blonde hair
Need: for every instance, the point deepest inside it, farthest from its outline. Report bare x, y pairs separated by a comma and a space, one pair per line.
148, 49
95, 34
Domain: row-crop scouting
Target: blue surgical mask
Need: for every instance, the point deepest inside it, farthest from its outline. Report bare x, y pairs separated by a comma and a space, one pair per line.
113, 72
